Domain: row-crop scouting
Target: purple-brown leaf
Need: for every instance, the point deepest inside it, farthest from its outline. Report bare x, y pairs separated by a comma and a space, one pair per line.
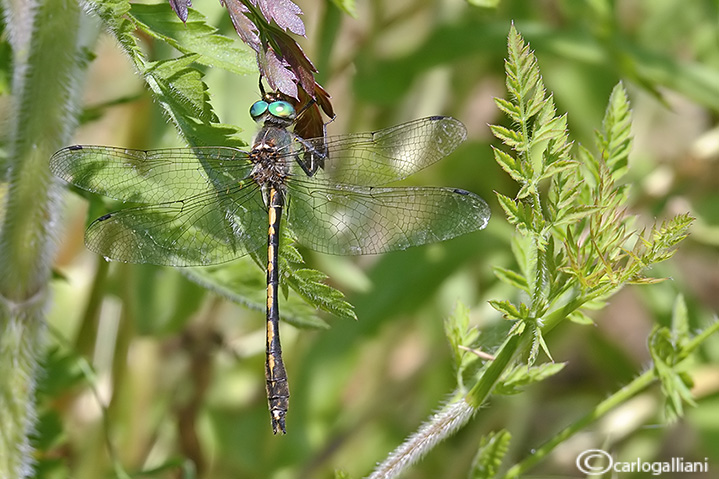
284, 13
277, 74
245, 28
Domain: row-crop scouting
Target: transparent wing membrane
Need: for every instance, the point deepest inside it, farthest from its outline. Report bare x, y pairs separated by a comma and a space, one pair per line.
392, 154
205, 205
150, 176
201, 230
365, 220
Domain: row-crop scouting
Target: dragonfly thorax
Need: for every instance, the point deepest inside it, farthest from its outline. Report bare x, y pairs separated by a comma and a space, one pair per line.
271, 167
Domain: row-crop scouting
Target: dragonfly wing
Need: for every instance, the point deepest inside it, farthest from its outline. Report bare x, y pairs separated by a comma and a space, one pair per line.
364, 220
150, 176
205, 229
384, 156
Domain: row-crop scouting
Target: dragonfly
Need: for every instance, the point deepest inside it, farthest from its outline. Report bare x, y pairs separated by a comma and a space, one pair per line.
207, 205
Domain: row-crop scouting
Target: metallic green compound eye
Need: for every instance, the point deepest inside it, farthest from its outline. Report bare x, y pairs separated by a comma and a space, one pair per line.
258, 109
282, 109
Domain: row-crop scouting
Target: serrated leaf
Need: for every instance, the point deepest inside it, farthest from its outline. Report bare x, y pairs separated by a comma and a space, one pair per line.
183, 95
460, 336
195, 36
114, 14
521, 376
575, 214
667, 356
581, 318
507, 309
511, 278
508, 164
509, 109
510, 207
244, 26
488, 460
509, 137
182, 87
556, 167
616, 138
309, 284
284, 13
537, 103
549, 128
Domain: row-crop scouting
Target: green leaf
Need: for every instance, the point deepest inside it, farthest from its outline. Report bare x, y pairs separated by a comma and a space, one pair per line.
549, 127
509, 109
537, 343
195, 37
615, 140
580, 318
510, 207
667, 358
183, 95
509, 137
507, 309
574, 214
460, 336
181, 87
511, 278
492, 449
521, 376
509, 165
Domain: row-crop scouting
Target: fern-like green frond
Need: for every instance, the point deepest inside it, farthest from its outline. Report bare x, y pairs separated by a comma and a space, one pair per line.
492, 449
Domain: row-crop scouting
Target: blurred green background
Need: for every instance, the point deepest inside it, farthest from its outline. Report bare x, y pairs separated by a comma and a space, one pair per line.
181, 369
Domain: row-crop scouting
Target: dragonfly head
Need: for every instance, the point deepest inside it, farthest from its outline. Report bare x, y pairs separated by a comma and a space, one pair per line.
278, 112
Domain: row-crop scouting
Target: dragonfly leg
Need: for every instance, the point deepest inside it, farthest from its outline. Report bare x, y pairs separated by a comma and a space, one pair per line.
311, 158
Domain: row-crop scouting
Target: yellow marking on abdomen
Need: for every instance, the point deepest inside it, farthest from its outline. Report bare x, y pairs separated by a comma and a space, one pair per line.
270, 296
273, 215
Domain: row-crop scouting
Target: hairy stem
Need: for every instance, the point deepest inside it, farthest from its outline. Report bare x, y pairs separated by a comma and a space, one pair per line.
47, 61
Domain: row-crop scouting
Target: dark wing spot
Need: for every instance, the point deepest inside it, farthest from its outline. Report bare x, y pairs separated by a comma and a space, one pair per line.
105, 217
74, 147
461, 192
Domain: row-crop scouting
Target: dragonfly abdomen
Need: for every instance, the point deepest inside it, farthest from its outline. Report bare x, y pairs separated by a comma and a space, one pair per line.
278, 391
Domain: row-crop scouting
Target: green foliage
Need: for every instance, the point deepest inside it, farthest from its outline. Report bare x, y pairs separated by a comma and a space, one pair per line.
581, 241
176, 84
492, 449
521, 376
192, 37
461, 338
575, 246
669, 351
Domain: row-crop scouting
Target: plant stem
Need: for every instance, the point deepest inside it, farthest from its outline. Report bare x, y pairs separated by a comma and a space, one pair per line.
47, 62
616, 399
481, 391
600, 410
